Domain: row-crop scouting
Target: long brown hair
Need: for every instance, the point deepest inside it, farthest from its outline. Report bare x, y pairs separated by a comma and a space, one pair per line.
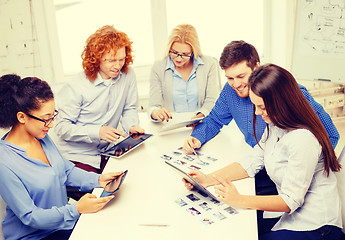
287, 107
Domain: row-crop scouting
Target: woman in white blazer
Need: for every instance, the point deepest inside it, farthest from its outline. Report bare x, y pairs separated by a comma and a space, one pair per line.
185, 80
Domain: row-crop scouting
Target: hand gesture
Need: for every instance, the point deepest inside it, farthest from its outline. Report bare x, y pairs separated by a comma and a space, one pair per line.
199, 115
136, 129
161, 115
89, 203
105, 178
191, 143
227, 192
200, 177
110, 134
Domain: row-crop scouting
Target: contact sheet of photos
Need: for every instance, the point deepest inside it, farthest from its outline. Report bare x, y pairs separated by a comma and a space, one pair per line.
205, 209
195, 203
188, 162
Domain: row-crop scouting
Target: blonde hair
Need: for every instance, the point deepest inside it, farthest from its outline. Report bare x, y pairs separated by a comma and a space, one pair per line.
185, 33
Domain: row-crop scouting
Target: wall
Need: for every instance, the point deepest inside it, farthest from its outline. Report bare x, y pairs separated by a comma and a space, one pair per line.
27, 44
279, 32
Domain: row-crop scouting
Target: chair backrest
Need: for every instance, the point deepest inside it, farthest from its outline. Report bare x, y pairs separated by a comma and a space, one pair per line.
2, 216
341, 184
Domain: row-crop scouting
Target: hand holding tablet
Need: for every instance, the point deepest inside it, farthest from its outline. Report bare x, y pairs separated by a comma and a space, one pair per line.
113, 186
171, 125
191, 180
121, 148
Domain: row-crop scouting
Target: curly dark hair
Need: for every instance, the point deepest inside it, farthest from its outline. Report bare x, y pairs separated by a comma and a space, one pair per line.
21, 95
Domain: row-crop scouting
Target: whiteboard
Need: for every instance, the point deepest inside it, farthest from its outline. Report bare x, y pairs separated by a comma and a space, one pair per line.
319, 41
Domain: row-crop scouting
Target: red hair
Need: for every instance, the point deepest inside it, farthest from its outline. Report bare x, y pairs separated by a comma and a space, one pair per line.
104, 40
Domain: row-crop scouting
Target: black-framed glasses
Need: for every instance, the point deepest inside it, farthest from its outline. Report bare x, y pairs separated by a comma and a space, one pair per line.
46, 121
175, 54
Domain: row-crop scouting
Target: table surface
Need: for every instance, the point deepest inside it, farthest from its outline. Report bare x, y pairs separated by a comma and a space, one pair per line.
144, 207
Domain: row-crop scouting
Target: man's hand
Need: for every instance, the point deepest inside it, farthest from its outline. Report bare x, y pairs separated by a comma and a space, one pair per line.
110, 134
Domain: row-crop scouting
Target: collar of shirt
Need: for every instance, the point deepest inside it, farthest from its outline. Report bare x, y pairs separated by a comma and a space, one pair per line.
15, 147
99, 80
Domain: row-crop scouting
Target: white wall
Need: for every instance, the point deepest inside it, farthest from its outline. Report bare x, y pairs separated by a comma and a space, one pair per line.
279, 33
28, 43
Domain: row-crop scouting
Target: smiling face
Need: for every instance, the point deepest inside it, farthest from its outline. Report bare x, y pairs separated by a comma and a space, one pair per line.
36, 127
260, 108
238, 75
112, 64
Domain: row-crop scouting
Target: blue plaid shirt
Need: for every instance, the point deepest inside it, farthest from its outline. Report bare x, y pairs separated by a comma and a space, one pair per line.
230, 106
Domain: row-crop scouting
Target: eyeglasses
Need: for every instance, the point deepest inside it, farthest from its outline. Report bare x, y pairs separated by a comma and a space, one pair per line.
175, 54
46, 121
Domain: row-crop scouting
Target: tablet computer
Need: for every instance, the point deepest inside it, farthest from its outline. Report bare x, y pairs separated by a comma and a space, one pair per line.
192, 181
113, 186
120, 149
171, 125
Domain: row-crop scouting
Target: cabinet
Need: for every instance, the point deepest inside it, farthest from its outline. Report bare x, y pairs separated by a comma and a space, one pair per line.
330, 95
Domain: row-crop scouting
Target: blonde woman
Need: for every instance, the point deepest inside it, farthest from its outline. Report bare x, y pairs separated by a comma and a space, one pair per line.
185, 80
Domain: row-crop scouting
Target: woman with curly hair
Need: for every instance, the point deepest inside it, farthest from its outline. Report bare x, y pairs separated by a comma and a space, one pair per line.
93, 104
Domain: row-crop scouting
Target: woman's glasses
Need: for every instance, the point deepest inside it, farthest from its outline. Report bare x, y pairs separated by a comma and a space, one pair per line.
46, 121
175, 54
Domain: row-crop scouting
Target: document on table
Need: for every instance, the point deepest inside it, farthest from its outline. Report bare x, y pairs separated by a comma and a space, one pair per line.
197, 203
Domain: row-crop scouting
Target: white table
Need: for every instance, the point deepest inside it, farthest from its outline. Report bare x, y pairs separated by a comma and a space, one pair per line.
150, 188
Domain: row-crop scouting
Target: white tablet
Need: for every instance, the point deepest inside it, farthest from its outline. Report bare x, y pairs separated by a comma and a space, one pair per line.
191, 180
120, 149
171, 125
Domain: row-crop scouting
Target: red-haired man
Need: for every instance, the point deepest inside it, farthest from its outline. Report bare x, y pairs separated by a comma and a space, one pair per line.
93, 104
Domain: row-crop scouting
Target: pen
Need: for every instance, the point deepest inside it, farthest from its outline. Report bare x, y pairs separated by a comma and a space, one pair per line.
197, 156
324, 79
195, 153
153, 225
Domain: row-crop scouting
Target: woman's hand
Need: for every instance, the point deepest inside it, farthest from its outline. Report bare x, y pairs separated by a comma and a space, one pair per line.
106, 178
203, 179
227, 192
89, 203
191, 143
161, 115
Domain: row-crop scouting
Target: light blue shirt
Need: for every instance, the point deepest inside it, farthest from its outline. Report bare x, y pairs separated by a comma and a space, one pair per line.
84, 107
294, 161
185, 94
35, 193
